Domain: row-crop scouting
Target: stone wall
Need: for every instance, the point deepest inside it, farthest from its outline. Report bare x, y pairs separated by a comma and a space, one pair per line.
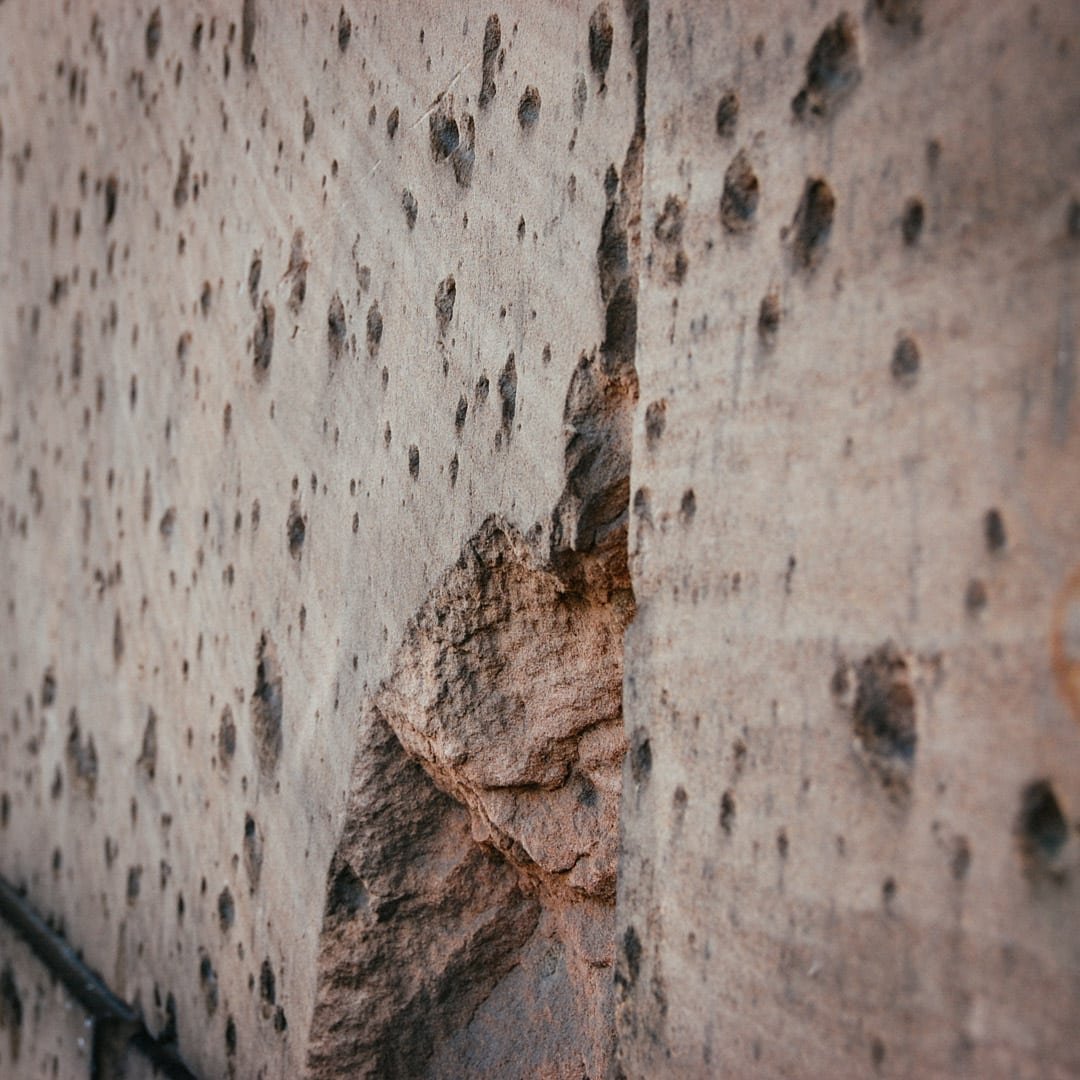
542, 540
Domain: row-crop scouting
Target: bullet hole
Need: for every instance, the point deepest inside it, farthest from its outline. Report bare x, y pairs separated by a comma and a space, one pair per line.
280, 1023
205, 297
355, 523
813, 222
727, 812
247, 33
267, 705
111, 190
263, 338
492, 41
253, 851
81, 756
180, 189
464, 156
994, 530
640, 755
911, 221
739, 201
147, 759
374, 329
668, 230
783, 845
768, 323
297, 270
118, 639
443, 132
601, 34
134, 883
528, 111
482, 387
461, 413
48, 688
905, 361
408, 204
877, 1052
1041, 828
628, 962
309, 122
445, 295
167, 524
153, 34
208, 982
344, 30
267, 983
392, 122
883, 715
832, 70
226, 910
414, 461
226, 737
888, 891
1072, 219
902, 14
295, 529
580, 96
453, 470
655, 422
336, 328
11, 1010
975, 597
727, 114
230, 1037
960, 860
545, 355
688, 506
508, 394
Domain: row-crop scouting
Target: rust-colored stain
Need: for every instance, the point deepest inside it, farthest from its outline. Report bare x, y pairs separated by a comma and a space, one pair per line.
1065, 642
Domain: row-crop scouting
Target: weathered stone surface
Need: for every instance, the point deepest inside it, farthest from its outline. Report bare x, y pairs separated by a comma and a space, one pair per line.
541, 540
288, 313
851, 800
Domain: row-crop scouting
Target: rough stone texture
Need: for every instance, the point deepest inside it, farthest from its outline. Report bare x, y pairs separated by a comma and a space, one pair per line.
453, 452
851, 801
288, 312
